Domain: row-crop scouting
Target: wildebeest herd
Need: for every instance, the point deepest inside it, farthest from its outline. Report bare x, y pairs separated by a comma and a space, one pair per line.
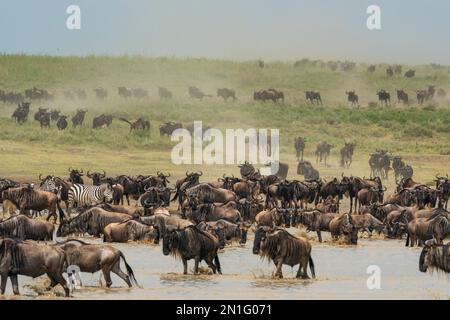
206, 216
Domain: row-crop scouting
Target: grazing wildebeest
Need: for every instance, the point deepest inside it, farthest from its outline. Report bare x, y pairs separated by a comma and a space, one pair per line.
81, 94
32, 260
130, 230
410, 73
102, 121
75, 176
78, 118
21, 113
192, 243
367, 222
347, 154
23, 228
164, 93
299, 147
384, 97
92, 221
94, 257
313, 96
140, 93
124, 92
306, 169
196, 93
269, 94
26, 198
168, 128
323, 150
343, 225
226, 93
352, 98
435, 257
101, 93
139, 124
282, 247
402, 96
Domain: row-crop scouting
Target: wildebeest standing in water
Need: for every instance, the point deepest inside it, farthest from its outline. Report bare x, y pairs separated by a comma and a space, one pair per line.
22, 228
26, 198
435, 256
192, 243
32, 260
94, 257
344, 225
352, 98
347, 155
299, 147
78, 118
281, 247
226, 93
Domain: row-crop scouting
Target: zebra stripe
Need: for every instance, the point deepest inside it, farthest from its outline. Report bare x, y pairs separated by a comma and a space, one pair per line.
84, 195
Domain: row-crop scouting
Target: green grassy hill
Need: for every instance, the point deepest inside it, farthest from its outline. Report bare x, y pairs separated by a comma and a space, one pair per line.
419, 133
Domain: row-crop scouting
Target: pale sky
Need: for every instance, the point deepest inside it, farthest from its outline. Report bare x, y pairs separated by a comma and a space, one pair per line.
413, 31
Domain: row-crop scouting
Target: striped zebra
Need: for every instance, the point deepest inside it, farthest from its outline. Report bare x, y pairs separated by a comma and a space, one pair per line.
83, 195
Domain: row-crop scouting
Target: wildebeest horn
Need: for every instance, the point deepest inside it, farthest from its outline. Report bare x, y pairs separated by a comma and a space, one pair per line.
146, 188
200, 173
81, 171
158, 173
70, 169
104, 173
88, 174
187, 174
168, 175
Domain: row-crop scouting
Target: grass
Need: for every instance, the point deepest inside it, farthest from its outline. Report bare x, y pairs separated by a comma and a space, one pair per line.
419, 133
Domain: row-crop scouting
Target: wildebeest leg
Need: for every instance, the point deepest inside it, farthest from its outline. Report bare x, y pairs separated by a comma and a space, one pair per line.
209, 262
60, 279
53, 282
107, 274
15, 284
185, 266
121, 274
128, 198
278, 272
197, 261
3, 283
319, 235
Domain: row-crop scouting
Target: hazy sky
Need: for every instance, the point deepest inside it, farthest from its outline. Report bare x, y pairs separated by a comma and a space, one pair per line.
413, 31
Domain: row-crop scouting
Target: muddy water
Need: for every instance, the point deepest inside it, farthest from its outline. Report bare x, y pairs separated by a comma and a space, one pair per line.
340, 270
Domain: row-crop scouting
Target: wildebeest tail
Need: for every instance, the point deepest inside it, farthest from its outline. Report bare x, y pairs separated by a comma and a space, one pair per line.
125, 120
217, 263
407, 240
311, 267
129, 270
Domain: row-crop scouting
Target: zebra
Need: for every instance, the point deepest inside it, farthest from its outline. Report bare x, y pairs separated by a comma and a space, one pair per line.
83, 195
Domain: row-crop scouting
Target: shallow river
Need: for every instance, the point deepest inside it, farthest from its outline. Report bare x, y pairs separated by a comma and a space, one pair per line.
340, 270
